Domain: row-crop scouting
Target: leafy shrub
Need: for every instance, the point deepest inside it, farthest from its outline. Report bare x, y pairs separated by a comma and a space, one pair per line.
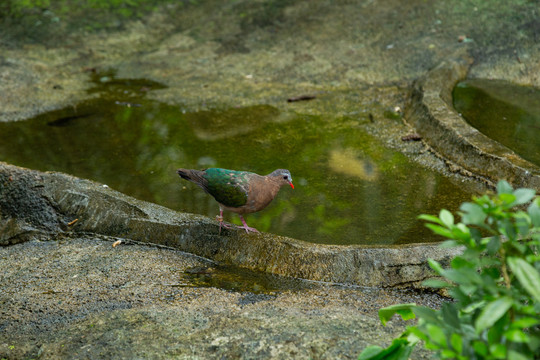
495, 284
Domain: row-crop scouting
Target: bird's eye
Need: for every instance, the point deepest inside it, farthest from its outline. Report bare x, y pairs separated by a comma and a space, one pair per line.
285, 177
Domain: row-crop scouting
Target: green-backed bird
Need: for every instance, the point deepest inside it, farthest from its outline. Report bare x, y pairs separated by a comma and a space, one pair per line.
242, 192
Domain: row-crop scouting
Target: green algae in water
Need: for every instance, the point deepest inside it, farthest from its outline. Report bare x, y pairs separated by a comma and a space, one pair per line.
505, 112
349, 188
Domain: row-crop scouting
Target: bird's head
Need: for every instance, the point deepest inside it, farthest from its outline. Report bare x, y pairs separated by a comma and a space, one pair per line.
284, 176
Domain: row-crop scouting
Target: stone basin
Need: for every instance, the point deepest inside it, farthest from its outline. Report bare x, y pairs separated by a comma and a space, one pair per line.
431, 112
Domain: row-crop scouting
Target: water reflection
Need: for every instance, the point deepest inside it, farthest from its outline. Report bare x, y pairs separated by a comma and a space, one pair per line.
505, 112
350, 189
242, 280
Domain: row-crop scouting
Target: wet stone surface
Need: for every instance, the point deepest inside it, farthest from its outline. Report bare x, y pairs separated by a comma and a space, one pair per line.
144, 301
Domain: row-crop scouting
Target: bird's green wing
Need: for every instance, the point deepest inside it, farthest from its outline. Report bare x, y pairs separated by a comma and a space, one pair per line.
228, 187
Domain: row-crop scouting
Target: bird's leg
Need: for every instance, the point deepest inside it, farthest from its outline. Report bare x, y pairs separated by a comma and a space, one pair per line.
220, 219
246, 227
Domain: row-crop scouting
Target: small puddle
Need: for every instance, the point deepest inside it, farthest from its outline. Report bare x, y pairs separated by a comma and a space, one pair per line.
349, 187
242, 280
505, 112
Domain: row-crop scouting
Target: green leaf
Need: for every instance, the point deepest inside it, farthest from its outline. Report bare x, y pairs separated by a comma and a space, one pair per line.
527, 276
514, 355
457, 343
523, 196
460, 262
480, 348
460, 232
498, 351
448, 354
493, 312
450, 315
523, 222
472, 307
517, 335
436, 283
437, 335
503, 187
463, 276
507, 228
525, 322
448, 244
431, 218
507, 199
415, 332
468, 289
476, 234
436, 266
521, 248
534, 212
446, 217
400, 349
493, 245
427, 314
404, 310
370, 353
472, 214
439, 230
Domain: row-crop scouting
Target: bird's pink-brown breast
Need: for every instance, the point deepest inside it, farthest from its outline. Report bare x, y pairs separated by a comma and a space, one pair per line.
262, 190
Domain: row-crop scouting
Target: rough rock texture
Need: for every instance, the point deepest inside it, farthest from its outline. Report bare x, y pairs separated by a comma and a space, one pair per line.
83, 298
25, 211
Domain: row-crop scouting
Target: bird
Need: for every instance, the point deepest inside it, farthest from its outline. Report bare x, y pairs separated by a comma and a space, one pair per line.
242, 192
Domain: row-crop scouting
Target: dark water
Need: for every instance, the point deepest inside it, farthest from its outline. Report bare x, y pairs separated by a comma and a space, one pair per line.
505, 112
349, 188
242, 280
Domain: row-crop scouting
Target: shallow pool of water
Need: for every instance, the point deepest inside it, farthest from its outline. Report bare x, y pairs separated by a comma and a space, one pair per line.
505, 112
349, 187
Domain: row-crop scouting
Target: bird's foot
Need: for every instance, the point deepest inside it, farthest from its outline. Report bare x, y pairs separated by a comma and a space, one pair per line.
248, 229
222, 223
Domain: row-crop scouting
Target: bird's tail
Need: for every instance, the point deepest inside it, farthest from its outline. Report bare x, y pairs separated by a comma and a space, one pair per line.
184, 174
195, 176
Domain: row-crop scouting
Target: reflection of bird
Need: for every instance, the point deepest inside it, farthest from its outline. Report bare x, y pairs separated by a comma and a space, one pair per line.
241, 192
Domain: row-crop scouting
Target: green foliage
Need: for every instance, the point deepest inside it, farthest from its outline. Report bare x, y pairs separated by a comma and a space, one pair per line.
495, 284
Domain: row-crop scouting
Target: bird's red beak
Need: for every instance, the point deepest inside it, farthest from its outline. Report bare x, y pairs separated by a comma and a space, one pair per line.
290, 183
